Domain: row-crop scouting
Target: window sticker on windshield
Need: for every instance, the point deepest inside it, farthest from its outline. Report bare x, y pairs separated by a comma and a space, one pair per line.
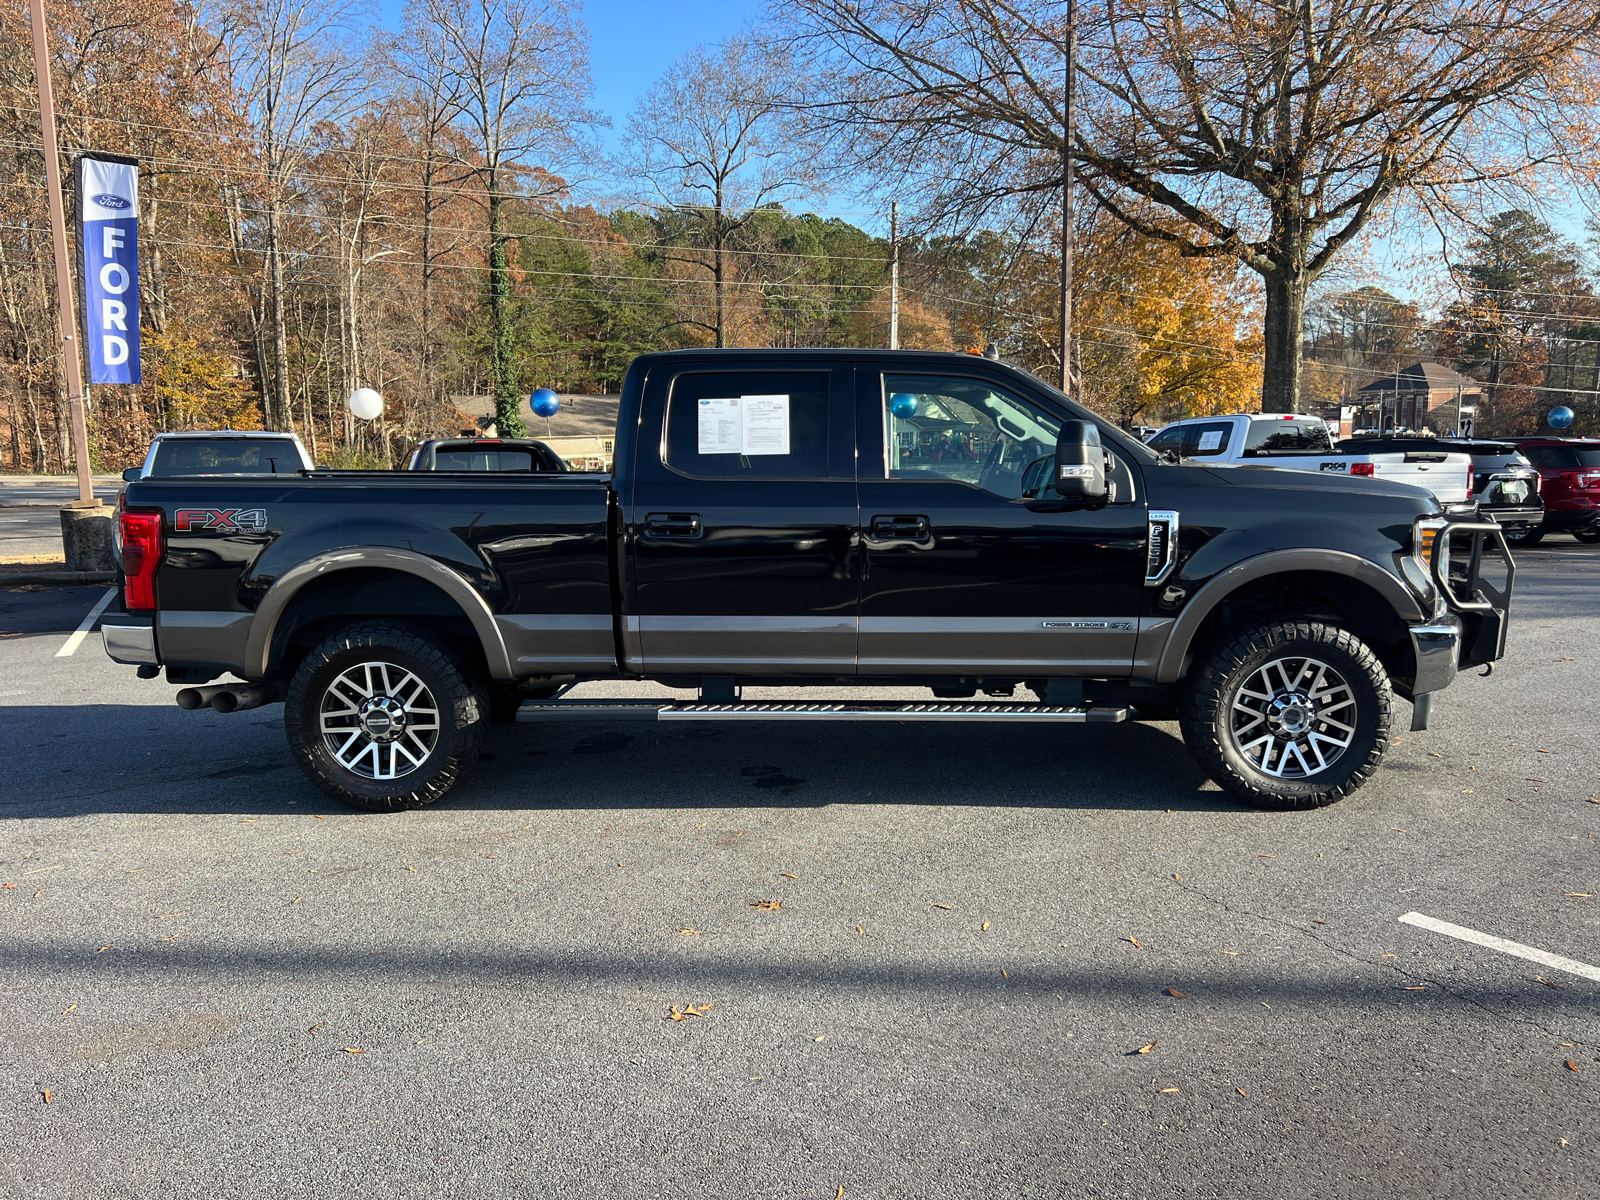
1211, 439
766, 425
721, 426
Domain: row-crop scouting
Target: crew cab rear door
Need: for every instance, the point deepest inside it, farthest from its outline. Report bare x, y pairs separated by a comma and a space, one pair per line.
963, 573
739, 534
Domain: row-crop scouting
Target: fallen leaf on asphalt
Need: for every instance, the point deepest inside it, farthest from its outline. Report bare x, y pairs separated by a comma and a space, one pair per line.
104, 948
164, 916
1416, 987
1531, 779
1169, 1091
946, 907
1177, 993
860, 932
1571, 1066
1388, 956
39, 893
1397, 829
1466, 791
1235, 953
687, 932
1568, 1045
1585, 895
1135, 941
1266, 856
1150, 1047
47, 1090
1314, 921
1177, 877
766, 905
322, 818
57, 867
819, 1037
173, 938
986, 926
297, 900
1435, 753
1594, 799
354, 1050
68, 1009
11, 885
1545, 751
316, 1027
1560, 987
1241, 1091
786, 875
839, 1195
690, 1010
409, 867
1005, 973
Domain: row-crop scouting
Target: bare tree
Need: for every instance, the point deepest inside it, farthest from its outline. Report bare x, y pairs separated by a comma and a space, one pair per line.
715, 137
519, 73
1272, 132
292, 68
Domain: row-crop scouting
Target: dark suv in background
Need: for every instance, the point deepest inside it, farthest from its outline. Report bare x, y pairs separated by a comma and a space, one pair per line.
1569, 470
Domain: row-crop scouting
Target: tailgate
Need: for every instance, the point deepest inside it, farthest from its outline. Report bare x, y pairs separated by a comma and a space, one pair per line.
1447, 476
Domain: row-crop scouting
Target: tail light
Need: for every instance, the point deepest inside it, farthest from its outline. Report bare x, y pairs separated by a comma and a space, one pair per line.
1363, 468
140, 536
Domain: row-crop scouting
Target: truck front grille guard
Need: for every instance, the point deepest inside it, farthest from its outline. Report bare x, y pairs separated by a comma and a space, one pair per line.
1468, 592
1161, 549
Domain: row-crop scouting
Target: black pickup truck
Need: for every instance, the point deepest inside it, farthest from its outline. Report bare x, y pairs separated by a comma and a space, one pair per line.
823, 519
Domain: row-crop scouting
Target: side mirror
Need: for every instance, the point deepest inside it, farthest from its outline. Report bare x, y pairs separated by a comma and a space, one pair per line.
131, 474
1080, 472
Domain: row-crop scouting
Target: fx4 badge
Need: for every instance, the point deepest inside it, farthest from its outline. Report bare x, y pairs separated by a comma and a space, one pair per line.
220, 520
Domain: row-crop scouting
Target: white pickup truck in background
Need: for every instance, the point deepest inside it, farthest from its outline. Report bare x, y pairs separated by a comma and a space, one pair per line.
1302, 444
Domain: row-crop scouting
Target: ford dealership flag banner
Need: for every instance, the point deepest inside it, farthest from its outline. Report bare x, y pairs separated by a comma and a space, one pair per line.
108, 213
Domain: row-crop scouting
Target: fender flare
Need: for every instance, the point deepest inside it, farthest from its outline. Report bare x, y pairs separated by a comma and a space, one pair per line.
258, 647
1278, 562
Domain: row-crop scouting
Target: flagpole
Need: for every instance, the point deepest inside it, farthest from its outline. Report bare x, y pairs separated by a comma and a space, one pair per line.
71, 357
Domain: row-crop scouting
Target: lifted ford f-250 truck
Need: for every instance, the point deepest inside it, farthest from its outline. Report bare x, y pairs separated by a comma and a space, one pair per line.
817, 518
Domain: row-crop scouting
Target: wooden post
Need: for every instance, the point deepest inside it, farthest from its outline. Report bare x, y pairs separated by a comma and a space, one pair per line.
71, 357
1069, 131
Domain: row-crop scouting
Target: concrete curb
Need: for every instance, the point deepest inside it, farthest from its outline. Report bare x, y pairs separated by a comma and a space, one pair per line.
65, 578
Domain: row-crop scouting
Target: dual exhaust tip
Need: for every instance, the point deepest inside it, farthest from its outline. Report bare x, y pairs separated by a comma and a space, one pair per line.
230, 697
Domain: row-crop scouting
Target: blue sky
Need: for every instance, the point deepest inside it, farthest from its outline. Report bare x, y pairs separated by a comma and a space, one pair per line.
633, 41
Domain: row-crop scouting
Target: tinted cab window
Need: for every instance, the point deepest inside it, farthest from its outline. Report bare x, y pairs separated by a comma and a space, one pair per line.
225, 456
1202, 440
749, 425
1287, 437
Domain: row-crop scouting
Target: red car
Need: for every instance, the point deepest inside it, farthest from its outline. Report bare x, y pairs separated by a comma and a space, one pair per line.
1569, 483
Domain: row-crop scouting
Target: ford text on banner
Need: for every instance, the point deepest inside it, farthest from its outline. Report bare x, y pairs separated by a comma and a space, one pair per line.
108, 200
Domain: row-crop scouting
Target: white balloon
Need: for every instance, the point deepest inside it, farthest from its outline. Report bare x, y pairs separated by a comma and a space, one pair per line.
366, 403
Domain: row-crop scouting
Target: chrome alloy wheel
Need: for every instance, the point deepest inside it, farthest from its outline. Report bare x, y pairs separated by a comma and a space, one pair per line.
379, 720
1293, 718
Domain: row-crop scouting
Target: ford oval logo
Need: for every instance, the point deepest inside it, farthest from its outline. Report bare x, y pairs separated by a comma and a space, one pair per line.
107, 200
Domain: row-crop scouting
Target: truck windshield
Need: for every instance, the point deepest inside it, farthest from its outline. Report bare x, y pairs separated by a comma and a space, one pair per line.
225, 456
1287, 437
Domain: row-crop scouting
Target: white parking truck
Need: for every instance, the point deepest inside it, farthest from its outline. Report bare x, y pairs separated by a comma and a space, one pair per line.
1301, 443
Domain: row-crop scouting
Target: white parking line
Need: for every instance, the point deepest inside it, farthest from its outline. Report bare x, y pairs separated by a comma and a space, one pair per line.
1570, 965
74, 640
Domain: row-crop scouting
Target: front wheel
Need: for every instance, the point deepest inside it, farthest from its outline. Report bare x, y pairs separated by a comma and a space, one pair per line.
1289, 715
382, 718
1587, 536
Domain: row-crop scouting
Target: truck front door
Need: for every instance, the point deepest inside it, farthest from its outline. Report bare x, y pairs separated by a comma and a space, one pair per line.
964, 574
740, 535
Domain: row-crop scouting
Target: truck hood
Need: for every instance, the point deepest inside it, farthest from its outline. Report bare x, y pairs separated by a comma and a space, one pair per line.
1282, 479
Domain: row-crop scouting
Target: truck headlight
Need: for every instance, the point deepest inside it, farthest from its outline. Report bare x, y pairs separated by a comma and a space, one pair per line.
1417, 565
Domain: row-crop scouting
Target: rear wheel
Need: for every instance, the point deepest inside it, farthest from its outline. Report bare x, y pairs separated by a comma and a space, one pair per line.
1587, 536
1532, 538
1289, 715
383, 718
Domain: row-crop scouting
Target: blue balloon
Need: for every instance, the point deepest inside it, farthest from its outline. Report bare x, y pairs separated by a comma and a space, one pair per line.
1561, 417
545, 403
903, 404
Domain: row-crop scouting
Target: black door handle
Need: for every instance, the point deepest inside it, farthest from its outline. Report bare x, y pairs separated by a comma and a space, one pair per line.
672, 525
888, 532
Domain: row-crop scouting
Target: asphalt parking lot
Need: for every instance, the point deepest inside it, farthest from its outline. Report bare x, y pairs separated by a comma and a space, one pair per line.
1008, 962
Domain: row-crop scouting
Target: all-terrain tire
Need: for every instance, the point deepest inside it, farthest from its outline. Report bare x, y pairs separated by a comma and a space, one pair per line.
1208, 717
391, 651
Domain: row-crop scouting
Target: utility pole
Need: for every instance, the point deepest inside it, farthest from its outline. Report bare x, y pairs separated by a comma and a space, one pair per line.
894, 274
71, 358
1069, 132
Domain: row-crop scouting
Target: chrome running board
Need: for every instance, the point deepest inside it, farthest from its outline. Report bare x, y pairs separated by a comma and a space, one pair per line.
781, 710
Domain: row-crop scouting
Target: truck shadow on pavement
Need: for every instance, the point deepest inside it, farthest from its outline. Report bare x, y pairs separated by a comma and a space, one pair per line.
136, 758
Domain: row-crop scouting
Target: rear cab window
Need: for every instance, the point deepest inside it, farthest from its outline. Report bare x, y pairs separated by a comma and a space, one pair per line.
1203, 439
473, 459
225, 456
1267, 438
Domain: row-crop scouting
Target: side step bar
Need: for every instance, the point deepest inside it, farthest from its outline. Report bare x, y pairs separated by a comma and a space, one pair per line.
778, 710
